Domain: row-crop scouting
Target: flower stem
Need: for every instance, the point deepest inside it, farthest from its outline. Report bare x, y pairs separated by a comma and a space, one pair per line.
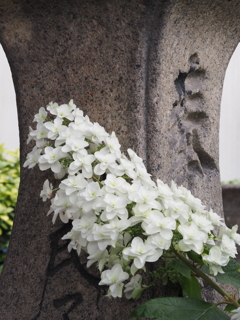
205, 277
96, 179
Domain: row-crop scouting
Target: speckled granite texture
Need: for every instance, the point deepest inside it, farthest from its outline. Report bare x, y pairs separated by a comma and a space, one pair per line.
152, 71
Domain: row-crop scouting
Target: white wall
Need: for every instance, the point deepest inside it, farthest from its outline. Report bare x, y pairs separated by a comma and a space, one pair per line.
229, 135
9, 134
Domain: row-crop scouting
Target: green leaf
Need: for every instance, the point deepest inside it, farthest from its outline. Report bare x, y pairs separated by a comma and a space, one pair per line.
191, 287
231, 274
180, 267
197, 258
137, 293
229, 308
180, 309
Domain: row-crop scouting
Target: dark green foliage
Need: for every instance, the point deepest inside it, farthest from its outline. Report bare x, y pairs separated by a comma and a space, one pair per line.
178, 308
9, 182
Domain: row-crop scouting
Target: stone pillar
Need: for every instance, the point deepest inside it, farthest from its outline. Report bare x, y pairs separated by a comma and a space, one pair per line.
151, 71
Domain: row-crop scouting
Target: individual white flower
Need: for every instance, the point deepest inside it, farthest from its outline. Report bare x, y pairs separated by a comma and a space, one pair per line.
46, 193
142, 176
72, 105
81, 124
30, 135
41, 115
41, 132
133, 288
115, 207
236, 316
61, 174
216, 256
64, 111
98, 133
165, 194
146, 198
114, 278
96, 255
73, 183
92, 191
202, 222
61, 205
156, 222
66, 132
216, 260
112, 145
77, 242
51, 159
215, 269
54, 128
225, 230
32, 158
103, 236
52, 106
178, 210
77, 113
231, 233
107, 161
236, 238
158, 241
139, 213
115, 184
90, 196
84, 224
177, 192
194, 203
38, 135
82, 161
193, 238
119, 225
215, 218
135, 158
133, 189
126, 167
141, 253
74, 144
77, 203
228, 246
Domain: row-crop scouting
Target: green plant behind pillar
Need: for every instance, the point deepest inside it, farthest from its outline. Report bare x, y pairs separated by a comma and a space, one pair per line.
9, 182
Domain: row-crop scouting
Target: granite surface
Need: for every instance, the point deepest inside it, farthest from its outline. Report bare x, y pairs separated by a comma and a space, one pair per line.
152, 71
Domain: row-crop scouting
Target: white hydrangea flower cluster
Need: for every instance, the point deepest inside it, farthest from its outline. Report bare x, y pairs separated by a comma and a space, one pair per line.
119, 215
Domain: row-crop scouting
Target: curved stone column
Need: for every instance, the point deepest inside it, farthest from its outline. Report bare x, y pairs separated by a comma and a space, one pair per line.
151, 71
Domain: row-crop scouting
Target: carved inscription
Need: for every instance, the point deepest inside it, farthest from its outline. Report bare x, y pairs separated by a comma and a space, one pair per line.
76, 298
192, 118
70, 301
